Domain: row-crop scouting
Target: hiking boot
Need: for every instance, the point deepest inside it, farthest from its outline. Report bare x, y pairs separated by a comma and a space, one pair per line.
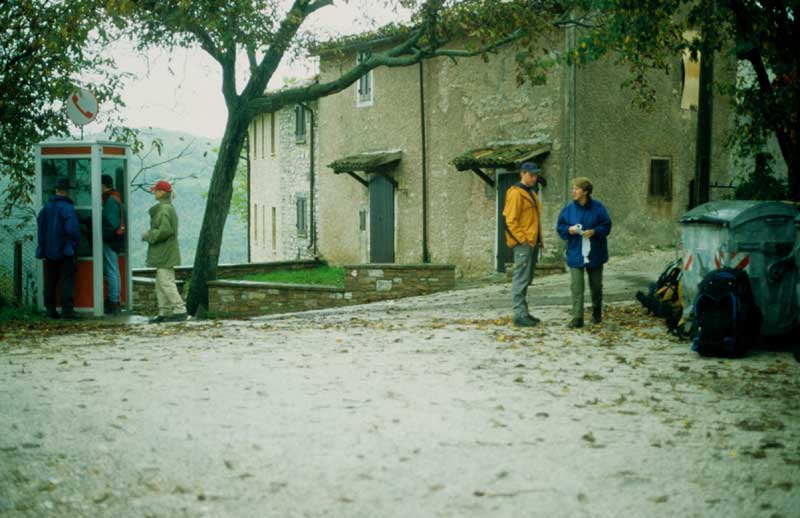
526, 321
575, 323
597, 316
112, 308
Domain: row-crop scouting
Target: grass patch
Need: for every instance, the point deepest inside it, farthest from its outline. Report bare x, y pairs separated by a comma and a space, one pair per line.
321, 275
11, 315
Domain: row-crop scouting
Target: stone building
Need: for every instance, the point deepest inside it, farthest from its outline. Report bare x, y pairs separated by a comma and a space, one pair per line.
413, 162
281, 179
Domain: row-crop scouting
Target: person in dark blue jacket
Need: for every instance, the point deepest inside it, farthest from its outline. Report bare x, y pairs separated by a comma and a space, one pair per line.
585, 225
58, 238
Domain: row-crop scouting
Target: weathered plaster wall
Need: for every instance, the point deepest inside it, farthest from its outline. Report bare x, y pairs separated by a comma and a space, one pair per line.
391, 122
467, 104
616, 140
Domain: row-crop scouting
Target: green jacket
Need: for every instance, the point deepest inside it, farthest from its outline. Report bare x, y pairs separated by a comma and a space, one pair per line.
163, 251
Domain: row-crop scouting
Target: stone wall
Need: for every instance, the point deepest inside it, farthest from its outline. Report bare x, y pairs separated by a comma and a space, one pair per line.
144, 295
227, 271
280, 174
363, 283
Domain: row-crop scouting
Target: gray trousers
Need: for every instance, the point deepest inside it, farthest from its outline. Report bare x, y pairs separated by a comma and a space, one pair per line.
525, 257
595, 288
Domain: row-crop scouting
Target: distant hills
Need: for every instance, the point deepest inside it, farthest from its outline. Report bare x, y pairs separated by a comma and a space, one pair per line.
187, 162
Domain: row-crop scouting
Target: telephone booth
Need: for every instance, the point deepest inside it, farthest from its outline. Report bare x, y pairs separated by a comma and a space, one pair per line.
84, 163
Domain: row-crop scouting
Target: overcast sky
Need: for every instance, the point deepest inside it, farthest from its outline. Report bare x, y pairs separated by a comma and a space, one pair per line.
181, 90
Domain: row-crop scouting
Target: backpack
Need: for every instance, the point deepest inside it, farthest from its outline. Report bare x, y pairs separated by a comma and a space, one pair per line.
664, 297
726, 318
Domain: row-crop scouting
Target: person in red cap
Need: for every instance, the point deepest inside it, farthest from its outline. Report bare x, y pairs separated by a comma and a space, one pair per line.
164, 255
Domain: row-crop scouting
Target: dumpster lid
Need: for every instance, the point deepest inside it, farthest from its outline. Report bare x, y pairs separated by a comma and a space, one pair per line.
733, 213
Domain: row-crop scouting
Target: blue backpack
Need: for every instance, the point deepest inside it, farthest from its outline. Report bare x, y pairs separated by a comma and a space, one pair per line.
727, 320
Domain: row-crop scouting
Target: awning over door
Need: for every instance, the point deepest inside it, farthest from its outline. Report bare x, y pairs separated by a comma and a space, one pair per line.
499, 156
380, 162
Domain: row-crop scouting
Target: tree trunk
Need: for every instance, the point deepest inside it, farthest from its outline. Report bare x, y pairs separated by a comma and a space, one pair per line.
216, 213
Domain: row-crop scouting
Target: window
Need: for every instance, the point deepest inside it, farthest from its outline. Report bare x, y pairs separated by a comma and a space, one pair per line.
299, 123
362, 220
272, 134
255, 139
263, 135
302, 220
364, 93
660, 179
255, 222
274, 230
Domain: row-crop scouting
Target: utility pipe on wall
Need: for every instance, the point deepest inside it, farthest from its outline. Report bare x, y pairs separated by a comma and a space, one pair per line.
426, 258
312, 228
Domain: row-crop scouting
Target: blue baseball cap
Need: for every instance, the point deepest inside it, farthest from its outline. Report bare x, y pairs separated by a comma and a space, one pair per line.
530, 167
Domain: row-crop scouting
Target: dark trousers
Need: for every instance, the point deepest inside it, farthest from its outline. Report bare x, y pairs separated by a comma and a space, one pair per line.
61, 274
595, 288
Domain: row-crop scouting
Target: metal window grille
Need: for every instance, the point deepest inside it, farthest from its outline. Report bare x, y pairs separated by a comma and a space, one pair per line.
660, 178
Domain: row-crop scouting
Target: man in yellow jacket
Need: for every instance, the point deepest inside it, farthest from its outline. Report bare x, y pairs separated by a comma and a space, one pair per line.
522, 214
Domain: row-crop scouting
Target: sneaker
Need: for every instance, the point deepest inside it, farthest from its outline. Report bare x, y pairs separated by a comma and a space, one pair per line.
157, 319
70, 315
176, 317
535, 320
526, 321
575, 323
596, 318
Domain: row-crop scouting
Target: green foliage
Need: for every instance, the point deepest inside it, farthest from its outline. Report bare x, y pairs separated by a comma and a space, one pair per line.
47, 48
239, 200
648, 35
13, 315
761, 183
323, 275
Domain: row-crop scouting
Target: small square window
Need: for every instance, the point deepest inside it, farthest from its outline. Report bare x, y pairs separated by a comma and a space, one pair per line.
660, 187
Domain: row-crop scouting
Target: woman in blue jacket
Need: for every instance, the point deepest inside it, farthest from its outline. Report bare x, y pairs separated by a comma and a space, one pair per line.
585, 225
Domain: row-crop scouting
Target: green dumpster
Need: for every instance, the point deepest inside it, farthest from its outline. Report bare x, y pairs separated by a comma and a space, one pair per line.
754, 236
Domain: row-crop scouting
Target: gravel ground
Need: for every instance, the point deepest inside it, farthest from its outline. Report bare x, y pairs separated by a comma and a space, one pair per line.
432, 406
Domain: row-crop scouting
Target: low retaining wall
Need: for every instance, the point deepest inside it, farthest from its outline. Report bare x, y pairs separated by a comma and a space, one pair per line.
144, 295
363, 283
227, 271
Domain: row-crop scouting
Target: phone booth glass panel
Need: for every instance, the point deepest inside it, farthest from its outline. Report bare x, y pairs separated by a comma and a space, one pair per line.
83, 164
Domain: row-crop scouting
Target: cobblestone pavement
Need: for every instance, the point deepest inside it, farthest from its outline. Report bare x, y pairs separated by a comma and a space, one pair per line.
432, 406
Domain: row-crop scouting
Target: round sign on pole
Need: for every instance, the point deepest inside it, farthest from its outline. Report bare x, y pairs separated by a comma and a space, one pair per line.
81, 106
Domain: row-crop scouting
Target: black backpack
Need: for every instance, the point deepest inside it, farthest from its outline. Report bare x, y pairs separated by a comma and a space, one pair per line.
726, 318
663, 299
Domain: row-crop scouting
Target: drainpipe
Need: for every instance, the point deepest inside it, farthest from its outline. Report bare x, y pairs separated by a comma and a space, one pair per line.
426, 257
249, 189
312, 227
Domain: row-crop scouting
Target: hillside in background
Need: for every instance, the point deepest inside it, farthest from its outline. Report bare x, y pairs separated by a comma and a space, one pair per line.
190, 175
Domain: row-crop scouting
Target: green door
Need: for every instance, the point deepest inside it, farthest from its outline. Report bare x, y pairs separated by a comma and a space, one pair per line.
504, 253
381, 220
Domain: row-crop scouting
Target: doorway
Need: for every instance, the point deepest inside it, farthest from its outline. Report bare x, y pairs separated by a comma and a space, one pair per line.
381, 219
